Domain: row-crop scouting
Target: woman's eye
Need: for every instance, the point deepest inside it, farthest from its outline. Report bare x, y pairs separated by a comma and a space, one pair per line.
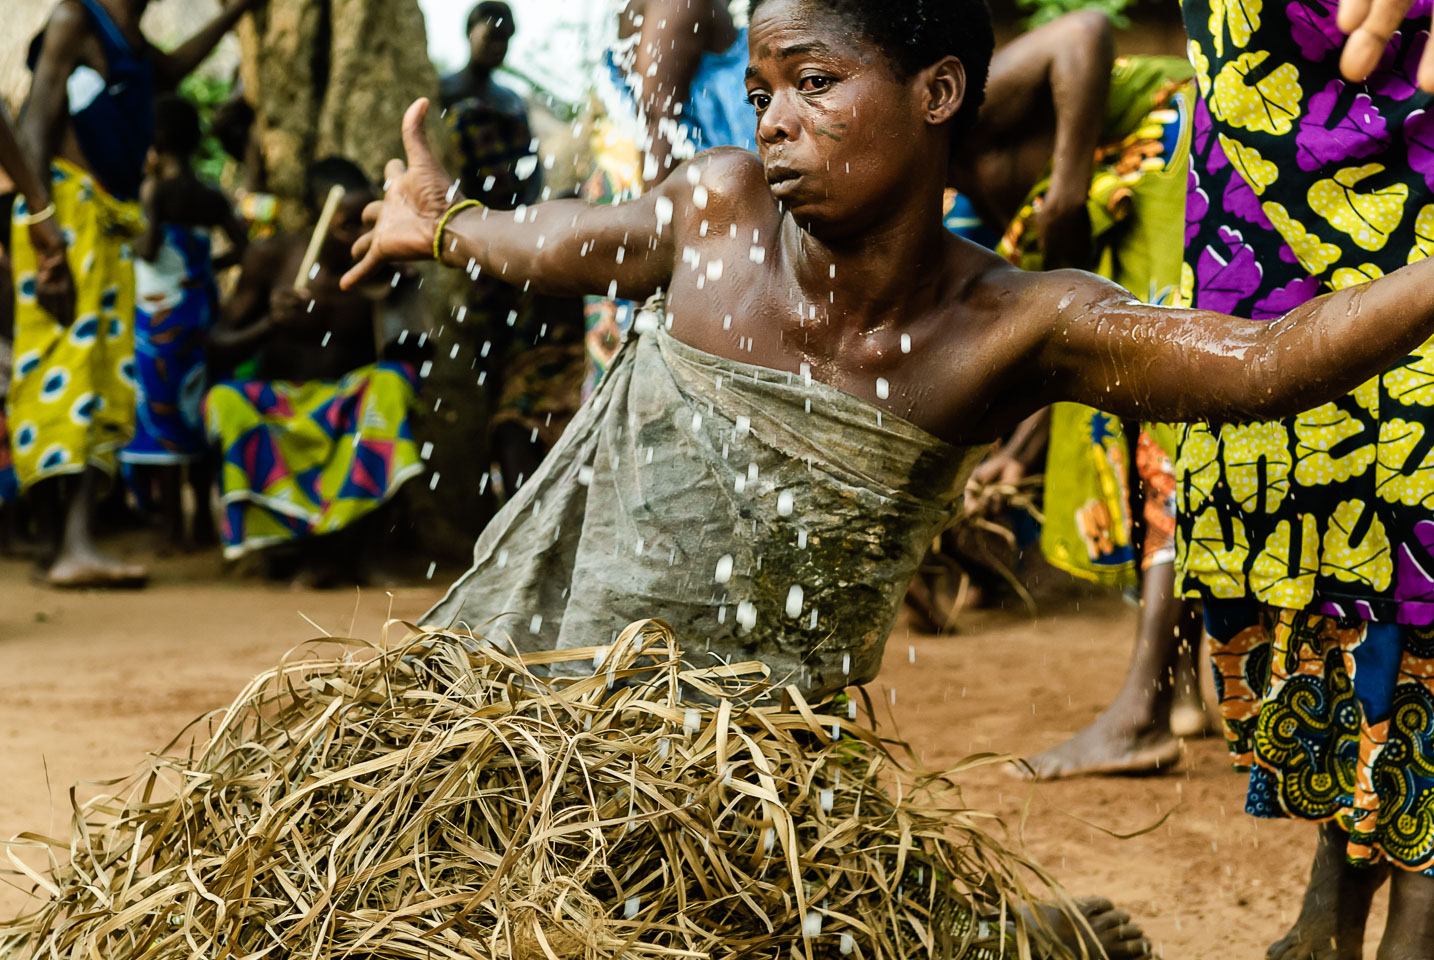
814, 84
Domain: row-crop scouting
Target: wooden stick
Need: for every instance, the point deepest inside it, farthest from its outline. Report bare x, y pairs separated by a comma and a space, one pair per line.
316, 242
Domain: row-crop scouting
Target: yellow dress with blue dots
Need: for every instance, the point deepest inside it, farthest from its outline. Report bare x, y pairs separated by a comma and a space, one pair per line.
72, 399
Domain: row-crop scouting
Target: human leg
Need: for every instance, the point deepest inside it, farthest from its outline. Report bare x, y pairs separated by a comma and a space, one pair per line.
1409, 931
1335, 907
1133, 734
200, 474
81, 563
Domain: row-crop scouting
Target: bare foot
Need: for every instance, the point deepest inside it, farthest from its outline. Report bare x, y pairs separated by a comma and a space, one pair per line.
94, 570
1116, 937
1190, 720
1336, 906
1110, 745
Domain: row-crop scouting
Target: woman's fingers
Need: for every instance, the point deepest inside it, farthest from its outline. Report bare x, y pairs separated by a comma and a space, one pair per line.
1426, 66
371, 261
393, 171
1370, 24
371, 213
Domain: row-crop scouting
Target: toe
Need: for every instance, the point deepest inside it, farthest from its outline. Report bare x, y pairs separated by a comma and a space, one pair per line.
1109, 920
1093, 906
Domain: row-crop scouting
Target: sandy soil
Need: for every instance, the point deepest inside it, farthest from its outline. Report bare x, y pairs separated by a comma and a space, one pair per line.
94, 681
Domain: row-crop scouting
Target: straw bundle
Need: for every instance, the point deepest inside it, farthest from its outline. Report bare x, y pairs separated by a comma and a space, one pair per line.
443, 800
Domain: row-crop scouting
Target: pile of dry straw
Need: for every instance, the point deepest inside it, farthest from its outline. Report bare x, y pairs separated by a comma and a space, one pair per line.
440, 801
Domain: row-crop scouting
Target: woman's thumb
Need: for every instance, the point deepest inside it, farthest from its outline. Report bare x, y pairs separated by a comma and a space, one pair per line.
415, 140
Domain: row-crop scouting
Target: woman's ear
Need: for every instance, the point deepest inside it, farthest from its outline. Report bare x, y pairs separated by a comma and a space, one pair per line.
944, 84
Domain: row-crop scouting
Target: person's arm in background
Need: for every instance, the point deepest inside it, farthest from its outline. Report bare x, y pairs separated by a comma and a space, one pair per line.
1065, 64
669, 50
26, 156
174, 66
256, 310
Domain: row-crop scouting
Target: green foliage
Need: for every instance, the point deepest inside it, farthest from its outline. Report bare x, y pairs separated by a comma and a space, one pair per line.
207, 92
1044, 11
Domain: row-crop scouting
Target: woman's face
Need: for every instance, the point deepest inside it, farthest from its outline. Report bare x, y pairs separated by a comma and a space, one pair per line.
839, 133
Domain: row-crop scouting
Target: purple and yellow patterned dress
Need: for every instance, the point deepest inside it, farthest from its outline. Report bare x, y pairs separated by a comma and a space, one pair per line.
1311, 539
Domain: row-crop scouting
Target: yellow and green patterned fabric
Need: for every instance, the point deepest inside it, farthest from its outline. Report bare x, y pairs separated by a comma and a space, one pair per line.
72, 400
303, 459
1137, 191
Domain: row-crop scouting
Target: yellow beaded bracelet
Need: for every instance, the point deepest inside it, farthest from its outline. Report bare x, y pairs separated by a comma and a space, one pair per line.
453, 211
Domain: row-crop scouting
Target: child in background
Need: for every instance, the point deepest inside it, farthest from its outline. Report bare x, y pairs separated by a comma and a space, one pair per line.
176, 305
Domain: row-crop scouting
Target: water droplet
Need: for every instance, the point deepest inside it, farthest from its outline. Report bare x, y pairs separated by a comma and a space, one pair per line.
828, 798
906, 343
724, 569
812, 924
746, 615
785, 503
883, 389
630, 909
848, 945
794, 601
536, 625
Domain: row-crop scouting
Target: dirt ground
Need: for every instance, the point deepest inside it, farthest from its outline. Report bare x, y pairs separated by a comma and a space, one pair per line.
93, 681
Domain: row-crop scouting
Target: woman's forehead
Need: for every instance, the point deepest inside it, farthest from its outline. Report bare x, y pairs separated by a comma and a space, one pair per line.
786, 28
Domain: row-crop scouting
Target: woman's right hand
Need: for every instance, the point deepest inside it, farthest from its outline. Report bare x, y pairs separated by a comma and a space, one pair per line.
402, 224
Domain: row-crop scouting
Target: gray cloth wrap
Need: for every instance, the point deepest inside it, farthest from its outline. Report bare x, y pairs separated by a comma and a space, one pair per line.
682, 459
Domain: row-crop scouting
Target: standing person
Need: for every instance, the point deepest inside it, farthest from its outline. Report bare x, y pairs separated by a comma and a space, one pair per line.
1079, 159
176, 304
89, 122
535, 358
488, 121
1309, 538
50, 284
674, 84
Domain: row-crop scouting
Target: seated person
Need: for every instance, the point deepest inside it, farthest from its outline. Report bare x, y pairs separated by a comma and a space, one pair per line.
175, 306
320, 440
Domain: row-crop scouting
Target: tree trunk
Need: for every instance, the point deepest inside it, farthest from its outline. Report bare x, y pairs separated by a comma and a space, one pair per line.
335, 77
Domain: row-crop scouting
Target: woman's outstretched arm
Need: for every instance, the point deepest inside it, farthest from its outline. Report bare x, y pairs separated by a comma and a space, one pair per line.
561, 247
1102, 348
